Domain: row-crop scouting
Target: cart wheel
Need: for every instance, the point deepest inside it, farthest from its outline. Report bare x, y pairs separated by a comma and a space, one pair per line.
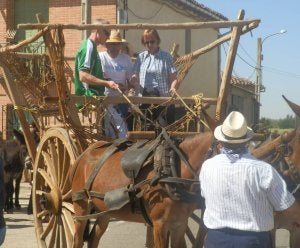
194, 235
196, 230
52, 201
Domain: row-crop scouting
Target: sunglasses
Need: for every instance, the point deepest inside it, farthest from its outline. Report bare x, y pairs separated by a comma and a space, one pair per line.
148, 42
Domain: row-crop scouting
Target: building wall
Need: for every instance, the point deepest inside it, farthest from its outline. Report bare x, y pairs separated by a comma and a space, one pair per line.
203, 76
246, 105
66, 12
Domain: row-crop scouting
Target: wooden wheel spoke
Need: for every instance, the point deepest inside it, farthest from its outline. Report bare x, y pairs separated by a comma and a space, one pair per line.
60, 162
63, 232
54, 155
65, 170
53, 234
47, 178
67, 196
66, 187
48, 228
190, 235
68, 206
42, 214
50, 166
69, 227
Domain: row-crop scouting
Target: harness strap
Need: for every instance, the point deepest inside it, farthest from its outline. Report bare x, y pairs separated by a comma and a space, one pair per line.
109, 151
83, 194
180, 154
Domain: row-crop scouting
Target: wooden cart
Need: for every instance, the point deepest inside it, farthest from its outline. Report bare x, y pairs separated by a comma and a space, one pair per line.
39, 84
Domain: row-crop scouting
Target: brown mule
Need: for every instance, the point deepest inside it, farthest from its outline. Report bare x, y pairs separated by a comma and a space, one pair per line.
162, 210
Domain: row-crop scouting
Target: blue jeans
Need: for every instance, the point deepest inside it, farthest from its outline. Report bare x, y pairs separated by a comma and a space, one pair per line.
230, 238
2, 234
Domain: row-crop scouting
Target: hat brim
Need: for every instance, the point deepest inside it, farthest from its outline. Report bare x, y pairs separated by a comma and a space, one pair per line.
113, 41
219, 136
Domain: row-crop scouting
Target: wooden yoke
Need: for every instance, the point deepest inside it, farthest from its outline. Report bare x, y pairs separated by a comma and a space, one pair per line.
226, 77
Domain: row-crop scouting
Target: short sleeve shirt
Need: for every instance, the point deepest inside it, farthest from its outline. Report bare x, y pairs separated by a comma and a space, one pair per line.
154, 71
87, 59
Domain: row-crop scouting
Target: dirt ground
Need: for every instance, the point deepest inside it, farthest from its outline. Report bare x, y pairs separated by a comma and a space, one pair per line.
21, 232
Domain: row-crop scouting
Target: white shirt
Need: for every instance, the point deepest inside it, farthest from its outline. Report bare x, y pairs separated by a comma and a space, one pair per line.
242, 195
118, 69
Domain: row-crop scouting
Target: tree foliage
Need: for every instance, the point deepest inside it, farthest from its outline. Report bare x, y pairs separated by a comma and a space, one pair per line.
289, 121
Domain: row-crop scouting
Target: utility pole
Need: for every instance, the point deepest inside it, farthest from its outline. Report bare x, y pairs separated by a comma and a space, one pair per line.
258, 85
85, 16
258, 79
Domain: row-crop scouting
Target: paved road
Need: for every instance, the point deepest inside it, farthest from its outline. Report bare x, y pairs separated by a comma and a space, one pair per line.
21, 233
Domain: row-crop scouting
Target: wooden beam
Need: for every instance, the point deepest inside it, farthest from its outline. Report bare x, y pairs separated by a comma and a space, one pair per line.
188, 25
226, 77
133, 99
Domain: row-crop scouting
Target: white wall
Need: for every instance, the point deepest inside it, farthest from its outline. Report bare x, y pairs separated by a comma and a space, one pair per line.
203, 77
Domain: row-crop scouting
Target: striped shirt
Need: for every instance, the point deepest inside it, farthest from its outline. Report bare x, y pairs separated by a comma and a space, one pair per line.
242, 195
154, 70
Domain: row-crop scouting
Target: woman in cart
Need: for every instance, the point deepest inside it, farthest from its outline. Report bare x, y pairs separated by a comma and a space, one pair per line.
155, 74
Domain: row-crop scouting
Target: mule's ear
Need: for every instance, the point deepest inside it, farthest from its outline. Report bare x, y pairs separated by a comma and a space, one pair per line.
19, 136
293, 106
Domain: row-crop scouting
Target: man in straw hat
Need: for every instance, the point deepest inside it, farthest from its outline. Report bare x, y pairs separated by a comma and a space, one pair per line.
89, 79
116, 66
241, 193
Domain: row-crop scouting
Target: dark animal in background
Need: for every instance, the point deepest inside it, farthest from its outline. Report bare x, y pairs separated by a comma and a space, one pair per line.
13, 153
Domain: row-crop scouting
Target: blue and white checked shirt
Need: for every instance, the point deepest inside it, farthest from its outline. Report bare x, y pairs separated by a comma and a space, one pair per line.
154, 70
242, 195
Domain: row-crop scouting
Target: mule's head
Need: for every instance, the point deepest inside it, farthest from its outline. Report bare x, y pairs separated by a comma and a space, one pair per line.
294, 151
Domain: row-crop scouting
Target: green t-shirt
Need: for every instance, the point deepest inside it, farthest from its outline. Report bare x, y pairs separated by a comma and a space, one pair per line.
87, 59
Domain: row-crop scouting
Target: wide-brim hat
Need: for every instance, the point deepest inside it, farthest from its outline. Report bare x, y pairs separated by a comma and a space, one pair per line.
234, 129
115, 37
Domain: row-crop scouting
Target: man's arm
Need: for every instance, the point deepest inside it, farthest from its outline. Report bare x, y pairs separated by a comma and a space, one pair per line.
90, 79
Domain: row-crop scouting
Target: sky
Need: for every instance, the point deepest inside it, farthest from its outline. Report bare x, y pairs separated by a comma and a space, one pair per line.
281, 53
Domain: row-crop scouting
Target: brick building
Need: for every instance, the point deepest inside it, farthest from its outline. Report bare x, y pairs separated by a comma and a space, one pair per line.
14, 12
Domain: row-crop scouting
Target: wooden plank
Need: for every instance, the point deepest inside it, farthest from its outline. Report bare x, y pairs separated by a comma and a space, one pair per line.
133, 99
188, 25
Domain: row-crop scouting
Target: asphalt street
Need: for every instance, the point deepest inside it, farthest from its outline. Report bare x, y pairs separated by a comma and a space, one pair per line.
21, 234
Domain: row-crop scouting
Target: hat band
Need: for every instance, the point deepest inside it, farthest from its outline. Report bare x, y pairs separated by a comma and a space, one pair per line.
231, 138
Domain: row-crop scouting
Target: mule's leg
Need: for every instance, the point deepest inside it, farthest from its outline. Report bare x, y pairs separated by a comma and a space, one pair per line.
98, 230
295, 238
160, 234
17, 191
177, 236
9, 205
81, 209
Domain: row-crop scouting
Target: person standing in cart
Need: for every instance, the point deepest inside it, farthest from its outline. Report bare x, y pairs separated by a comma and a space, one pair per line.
155, 74
241, 192
116, 66
89, 79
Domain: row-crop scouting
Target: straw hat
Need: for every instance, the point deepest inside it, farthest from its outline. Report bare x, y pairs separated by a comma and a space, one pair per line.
234, 129
115, 37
